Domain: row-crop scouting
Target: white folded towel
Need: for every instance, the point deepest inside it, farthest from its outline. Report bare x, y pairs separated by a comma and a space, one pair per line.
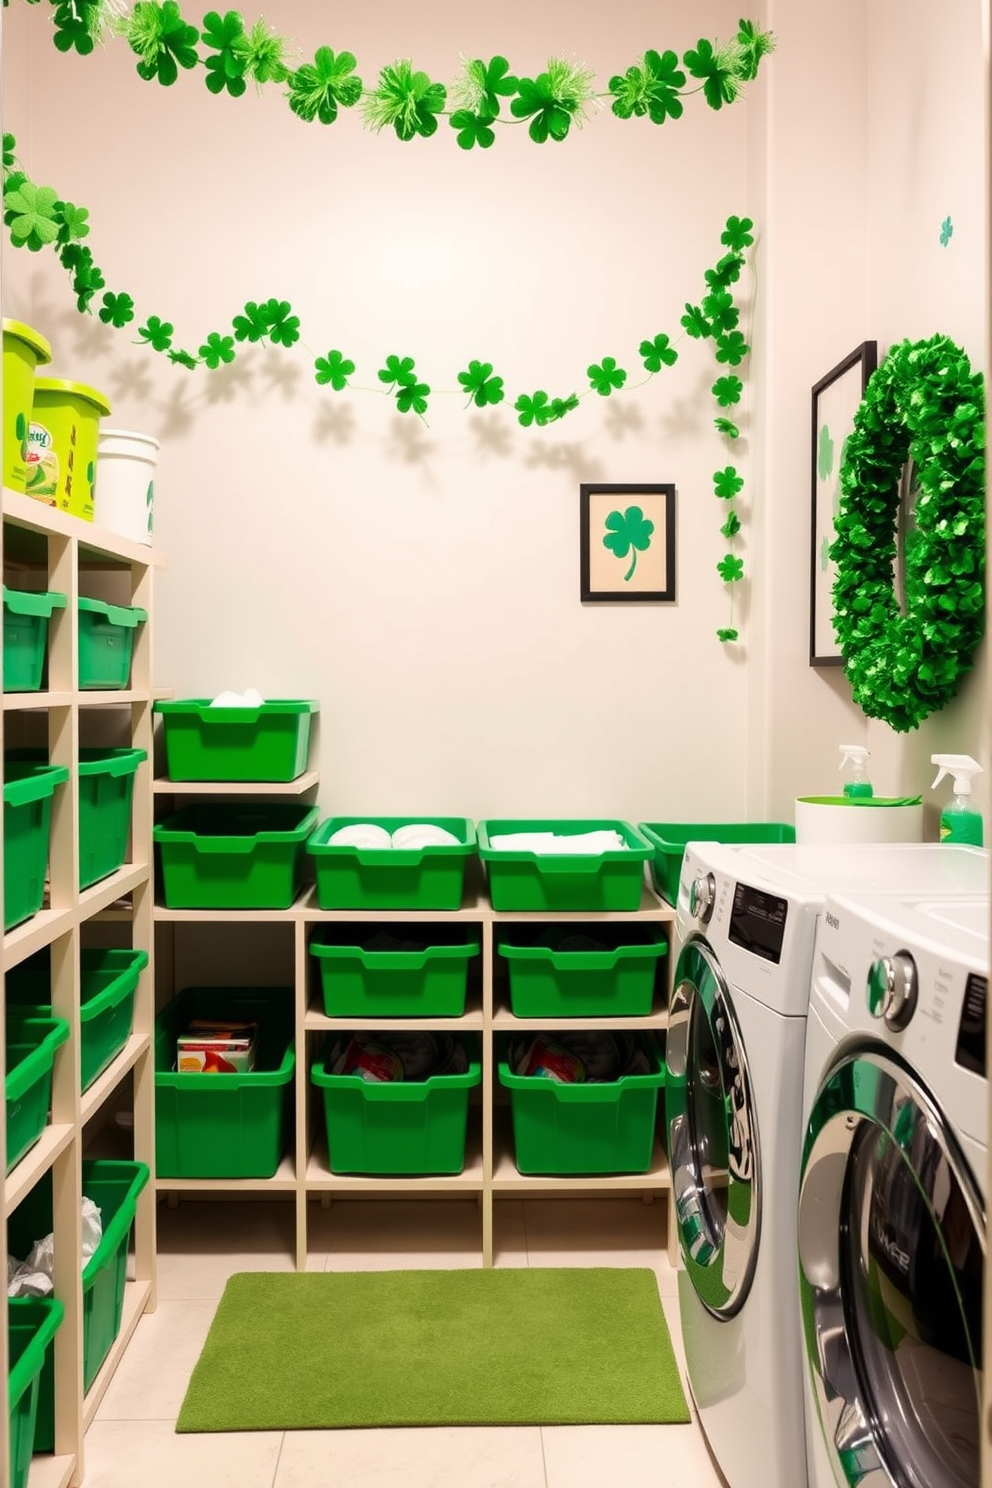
562, 843
248, 699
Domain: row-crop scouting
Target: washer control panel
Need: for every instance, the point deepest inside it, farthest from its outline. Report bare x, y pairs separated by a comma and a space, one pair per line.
892, 989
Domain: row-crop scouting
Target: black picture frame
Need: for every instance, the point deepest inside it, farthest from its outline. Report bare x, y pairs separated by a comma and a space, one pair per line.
835, 401
620, 560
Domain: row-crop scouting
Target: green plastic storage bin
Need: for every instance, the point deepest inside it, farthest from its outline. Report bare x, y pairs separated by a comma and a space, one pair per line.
32, 1039
361, 980
238, 856
668, 843
25, 637
270, 742
429, 878
555, 981
225, 1125
585, 883
397, 1127
585, 1129
106, 788
114, 1188
108, 981
32, 1323
106, 643
27, 818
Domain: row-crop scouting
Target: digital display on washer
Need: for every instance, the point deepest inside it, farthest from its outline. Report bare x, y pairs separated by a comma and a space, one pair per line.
970, 1049
757, 922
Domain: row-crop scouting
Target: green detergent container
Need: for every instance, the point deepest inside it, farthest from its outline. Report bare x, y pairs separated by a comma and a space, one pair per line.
62, 444
24, 349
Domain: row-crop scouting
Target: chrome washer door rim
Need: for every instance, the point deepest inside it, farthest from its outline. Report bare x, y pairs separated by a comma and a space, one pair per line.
718, 1240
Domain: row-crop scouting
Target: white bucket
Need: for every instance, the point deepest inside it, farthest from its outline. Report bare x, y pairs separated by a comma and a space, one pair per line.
124, 497
818, 819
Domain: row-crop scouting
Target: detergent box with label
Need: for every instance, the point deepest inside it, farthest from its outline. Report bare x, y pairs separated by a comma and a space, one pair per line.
216, 1047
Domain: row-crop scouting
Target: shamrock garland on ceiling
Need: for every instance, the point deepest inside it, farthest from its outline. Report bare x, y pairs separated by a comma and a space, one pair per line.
405, 99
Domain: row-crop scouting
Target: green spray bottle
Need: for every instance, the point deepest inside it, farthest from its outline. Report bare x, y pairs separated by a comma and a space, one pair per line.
858, 788
959, 822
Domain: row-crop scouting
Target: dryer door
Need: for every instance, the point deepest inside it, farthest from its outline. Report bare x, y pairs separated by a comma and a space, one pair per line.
891, 1250
712, 1134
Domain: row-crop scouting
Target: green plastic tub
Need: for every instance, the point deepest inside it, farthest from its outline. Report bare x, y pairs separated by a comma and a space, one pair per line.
32, 1323
114, 1188
237, 856
586, 1129
361, 980
586, 883
106, 788
668, 843
558, 980
107, 987
106, 643
24, 350
65, 431
397, 1127
25, 637
386, 878
27, 819
225, 1125
32, 1039
267, 743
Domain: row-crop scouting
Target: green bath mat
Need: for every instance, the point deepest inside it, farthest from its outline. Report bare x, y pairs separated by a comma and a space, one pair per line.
521, 1347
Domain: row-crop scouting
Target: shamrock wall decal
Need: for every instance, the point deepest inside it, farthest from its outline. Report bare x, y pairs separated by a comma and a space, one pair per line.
825, 453
628, 532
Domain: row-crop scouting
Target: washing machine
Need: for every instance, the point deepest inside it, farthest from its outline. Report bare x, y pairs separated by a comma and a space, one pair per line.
891, 1215
746, 919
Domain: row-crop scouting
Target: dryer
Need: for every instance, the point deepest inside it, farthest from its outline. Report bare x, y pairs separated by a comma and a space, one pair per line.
746, 921
891, 1216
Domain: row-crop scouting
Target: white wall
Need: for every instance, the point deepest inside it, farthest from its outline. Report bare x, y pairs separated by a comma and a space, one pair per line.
421, 581
876, 134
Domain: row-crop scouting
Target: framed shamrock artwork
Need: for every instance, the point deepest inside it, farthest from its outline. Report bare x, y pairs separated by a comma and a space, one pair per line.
836, 399
627, 542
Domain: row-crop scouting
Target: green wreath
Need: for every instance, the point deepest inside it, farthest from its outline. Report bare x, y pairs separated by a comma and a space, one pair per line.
924, 404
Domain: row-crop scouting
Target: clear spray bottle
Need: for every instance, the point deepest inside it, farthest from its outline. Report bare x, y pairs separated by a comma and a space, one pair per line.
959, 822
859, 786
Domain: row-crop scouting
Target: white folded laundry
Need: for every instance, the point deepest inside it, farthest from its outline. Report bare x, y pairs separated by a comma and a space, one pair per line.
423, 834
360, 834
248, 699
561, 843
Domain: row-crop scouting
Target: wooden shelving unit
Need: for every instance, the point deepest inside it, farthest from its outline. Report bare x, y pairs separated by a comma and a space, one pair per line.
489, 1167
47, 549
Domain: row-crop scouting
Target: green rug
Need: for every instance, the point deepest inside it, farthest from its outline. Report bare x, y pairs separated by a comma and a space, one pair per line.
527, 1347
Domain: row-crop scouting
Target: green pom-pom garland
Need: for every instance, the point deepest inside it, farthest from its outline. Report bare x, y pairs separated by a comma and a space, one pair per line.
925, 404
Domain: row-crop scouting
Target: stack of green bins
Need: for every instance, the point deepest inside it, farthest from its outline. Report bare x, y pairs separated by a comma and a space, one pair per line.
668, 842
106, 790
269, 742
32, 1323
25, 637
226, 1125
240, 856
32, 1038
27, 814
114, 1188
564, 882
431, 878
585, 1129
106, 643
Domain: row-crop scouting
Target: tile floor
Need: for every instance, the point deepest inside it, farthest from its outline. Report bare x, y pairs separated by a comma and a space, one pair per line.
132, 1440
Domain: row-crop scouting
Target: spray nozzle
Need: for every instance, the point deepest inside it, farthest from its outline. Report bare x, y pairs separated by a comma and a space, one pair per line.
857, 754
961, 766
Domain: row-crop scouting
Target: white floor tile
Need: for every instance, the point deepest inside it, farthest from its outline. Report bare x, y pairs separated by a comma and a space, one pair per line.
150, 1381
439, 1457
124, 1454
634, 1456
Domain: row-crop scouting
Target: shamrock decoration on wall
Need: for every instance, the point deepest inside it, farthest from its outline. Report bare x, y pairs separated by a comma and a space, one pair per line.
628, 532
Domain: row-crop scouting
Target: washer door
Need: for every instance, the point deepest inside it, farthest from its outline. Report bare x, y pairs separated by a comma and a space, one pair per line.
712, 1134
891, 1251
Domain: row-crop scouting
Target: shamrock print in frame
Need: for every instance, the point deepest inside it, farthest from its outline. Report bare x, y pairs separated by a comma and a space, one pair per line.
627, 542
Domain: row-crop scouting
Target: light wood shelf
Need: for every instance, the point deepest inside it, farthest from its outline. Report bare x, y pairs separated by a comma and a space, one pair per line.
255, 789
72, 556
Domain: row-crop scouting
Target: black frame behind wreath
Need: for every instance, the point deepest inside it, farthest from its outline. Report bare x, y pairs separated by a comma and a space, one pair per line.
835, 397
657, 574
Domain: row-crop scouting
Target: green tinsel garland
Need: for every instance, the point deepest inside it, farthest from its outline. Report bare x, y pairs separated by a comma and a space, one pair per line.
925, 404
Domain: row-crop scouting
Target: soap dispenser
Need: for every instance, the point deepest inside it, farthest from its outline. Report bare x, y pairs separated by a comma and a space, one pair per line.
959, 822
859, 786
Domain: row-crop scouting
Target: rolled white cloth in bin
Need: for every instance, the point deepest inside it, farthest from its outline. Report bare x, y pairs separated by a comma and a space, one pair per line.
601, 840
247, 699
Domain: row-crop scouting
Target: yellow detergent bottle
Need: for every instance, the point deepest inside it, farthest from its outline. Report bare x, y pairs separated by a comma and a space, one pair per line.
959, 822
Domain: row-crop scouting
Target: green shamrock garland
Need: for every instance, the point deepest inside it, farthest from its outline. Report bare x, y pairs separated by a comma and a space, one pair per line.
405, 99
925, 404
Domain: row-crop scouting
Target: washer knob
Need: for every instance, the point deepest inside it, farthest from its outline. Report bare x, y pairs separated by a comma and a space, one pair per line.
892, 989
702, 892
